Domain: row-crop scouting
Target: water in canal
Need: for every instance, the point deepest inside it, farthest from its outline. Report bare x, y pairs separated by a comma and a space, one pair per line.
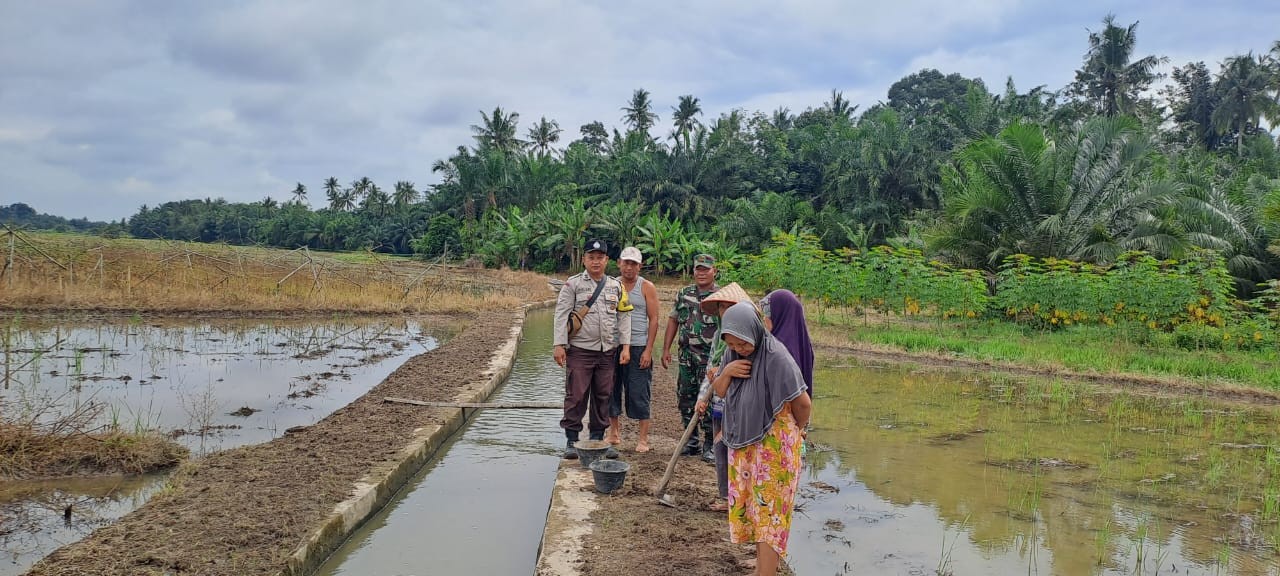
211, 384
927, 472
480, 505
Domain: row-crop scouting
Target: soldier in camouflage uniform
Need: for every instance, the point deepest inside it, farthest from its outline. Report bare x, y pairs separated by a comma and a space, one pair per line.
697, 333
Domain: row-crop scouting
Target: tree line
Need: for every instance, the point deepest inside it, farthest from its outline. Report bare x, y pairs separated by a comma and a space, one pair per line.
1101, 167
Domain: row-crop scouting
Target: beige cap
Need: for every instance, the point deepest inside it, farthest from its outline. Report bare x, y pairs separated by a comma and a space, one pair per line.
733, 294
631, 253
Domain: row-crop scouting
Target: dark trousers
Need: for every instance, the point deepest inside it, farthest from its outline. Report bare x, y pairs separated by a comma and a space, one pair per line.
633, 384
588, 384
722, 459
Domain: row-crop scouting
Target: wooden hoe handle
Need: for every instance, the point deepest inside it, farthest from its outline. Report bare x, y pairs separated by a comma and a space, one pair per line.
688, 431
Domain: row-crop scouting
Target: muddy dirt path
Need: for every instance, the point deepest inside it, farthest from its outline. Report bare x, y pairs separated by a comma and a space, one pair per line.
243, 511
633, 534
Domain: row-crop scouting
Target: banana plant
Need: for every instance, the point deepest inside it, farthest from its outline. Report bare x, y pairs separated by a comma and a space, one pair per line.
659, 237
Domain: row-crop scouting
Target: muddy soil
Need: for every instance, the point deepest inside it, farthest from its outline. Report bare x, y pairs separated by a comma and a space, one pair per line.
243, 511
633, 534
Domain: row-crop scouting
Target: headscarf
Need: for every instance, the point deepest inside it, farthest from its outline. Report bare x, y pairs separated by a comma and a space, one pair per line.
787, 314
752, 403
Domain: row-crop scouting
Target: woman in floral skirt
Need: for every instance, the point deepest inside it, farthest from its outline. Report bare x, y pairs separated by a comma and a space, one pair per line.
766, 412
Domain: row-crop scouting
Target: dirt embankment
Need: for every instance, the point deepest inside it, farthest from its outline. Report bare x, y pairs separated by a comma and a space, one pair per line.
244, 511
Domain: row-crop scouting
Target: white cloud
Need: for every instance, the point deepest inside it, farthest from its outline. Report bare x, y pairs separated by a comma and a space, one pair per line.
241, 100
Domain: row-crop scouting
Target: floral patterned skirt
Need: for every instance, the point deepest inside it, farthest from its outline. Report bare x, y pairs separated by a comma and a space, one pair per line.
763, 478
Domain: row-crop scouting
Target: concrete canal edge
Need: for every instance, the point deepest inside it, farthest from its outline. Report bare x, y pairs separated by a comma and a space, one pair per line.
573, 499
376, 489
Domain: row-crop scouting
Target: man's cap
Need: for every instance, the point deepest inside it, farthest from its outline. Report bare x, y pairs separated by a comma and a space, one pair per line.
704, 260
631, 253
597, 245
731, 294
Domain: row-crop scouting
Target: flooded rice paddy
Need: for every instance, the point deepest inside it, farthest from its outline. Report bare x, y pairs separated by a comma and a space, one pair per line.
912, 471
480, 505
928, 472
209, 384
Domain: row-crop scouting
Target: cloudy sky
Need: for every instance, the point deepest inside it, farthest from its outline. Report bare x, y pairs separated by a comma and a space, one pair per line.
106, 105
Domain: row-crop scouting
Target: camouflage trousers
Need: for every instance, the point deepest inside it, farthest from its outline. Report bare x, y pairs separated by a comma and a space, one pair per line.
688, 382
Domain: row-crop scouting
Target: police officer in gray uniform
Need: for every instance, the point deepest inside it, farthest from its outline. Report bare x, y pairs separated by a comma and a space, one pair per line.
589, 356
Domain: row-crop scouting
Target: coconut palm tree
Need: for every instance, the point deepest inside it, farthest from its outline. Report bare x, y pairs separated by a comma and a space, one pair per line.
331, 189
300, 193
684, 118
498, 131
405, 194
639, 113
1110, 78
1243, 98
782, 118
543, 134
360, 188
376, 201
839, 106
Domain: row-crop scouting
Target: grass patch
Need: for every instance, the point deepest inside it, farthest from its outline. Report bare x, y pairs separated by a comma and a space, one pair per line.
52, 271
1086, 349
37, 440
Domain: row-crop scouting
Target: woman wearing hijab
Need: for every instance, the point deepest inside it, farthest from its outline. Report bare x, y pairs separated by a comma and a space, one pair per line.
766, 413
784, 310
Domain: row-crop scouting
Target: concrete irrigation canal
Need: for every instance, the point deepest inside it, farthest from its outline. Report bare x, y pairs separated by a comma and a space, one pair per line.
486, 489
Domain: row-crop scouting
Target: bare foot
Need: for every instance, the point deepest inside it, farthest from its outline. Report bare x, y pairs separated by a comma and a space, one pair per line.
642, 446
719, 506
612, 437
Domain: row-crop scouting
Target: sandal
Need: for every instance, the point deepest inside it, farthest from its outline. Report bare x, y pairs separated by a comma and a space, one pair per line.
719, 506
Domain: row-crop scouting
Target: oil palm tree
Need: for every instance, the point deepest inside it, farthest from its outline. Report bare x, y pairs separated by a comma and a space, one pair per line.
543, 134
1089, 195
638, 113
1111, 79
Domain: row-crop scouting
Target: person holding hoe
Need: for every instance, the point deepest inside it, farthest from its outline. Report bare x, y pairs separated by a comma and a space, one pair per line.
716, 304
592, 318
766, 413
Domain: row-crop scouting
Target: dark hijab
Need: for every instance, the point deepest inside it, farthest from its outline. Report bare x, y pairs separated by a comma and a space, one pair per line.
752, 403
787, 314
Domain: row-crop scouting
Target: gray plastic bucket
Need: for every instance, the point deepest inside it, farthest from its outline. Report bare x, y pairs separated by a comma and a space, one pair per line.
609, 474
590, 450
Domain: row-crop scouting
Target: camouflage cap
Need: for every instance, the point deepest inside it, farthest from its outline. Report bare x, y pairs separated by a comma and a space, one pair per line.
704, 261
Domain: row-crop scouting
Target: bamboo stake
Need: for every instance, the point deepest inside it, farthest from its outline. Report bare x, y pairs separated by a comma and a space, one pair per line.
13, 232
9, 270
